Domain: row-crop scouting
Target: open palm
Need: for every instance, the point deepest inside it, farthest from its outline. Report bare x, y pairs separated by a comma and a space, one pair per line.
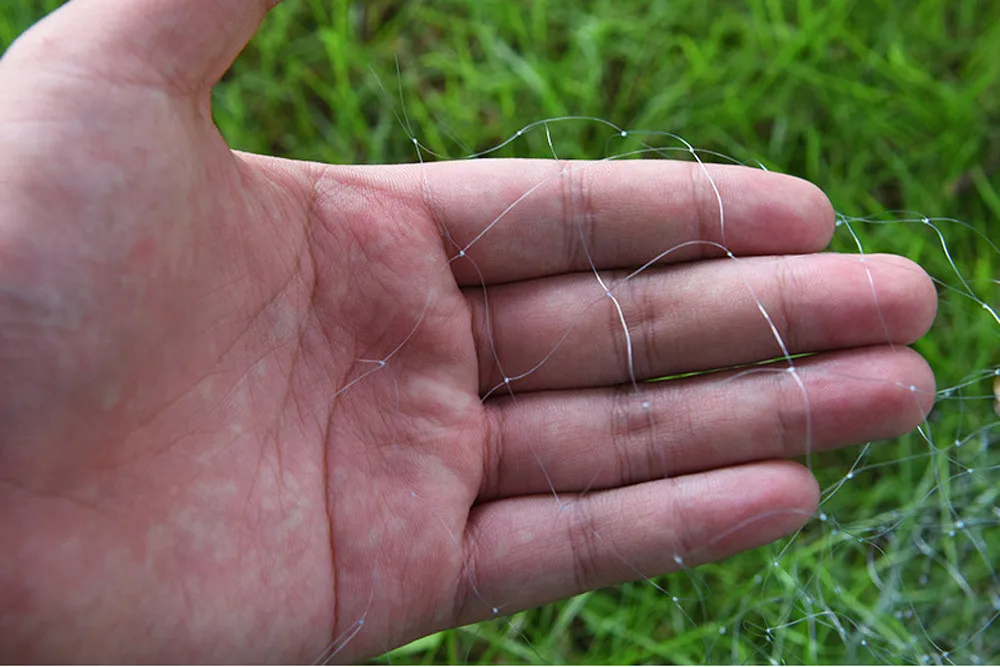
254, 409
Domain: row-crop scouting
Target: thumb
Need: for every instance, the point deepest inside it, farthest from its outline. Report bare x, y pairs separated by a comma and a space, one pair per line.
180, 46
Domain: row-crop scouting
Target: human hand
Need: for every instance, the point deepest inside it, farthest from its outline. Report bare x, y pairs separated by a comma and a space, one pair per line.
242, 414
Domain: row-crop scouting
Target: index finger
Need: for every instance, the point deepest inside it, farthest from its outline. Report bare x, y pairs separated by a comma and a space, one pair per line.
520, 219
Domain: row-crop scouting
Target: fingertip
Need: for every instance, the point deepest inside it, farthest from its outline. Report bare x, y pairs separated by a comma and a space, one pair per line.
817, 208
807, 206
922, 385
909, 295
752, 505
791, 485
788, 498
867, 394
790, 215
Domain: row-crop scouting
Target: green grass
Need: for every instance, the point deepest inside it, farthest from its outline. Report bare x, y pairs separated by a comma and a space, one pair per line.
885, 104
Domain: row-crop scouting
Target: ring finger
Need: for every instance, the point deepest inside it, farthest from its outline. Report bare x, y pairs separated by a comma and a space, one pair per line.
584, 440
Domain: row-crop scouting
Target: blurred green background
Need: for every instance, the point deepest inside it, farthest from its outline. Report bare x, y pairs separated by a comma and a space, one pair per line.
886, 104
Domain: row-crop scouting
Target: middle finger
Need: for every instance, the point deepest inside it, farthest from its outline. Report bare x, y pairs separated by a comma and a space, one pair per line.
565, 332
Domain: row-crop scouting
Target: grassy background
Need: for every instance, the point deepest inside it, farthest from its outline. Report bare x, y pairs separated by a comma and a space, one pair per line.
885, 104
